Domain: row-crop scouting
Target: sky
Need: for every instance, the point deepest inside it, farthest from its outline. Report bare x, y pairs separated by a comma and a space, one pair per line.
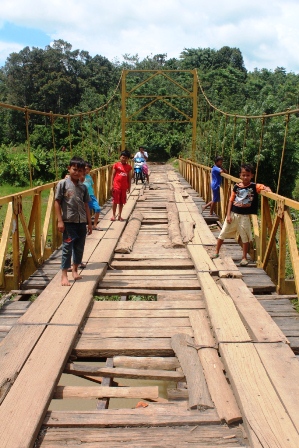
265, 31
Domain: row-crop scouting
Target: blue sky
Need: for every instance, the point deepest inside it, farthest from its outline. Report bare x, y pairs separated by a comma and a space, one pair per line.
265, 31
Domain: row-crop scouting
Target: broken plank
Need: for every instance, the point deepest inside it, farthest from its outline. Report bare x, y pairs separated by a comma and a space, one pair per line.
150, 362
91, 392
124, 372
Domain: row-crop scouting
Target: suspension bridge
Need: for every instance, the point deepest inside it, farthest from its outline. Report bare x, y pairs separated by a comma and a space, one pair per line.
208, 357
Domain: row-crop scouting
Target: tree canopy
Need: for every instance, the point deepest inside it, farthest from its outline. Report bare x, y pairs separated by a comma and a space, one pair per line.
64, 80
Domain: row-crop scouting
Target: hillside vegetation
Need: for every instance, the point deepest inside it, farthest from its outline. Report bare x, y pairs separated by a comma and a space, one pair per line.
66, 81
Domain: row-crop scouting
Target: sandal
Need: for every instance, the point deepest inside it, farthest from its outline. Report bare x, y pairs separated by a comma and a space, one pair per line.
112, 219
214, 256
120, 219
244, 262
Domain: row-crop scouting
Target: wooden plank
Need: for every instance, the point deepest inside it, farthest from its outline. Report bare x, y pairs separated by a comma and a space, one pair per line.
89, 345
184, 297
168, 263
106, 251
283, 370
227, 268
224, 317
35, 384
77, 302
152, 284
199, 397
91, 392
200, 258
265, 416
133, 417
153, 256
219, 388
14, 351
141, 322
148, 273
43, 308
145, 292
124, 372
156, 332
146, 305
260, 325
136, 313
203, 436
146, 362
116, 278
37, 387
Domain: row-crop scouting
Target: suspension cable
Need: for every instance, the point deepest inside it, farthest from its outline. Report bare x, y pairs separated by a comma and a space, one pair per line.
233, 144
54, 145
260, 146
28, 144
287, 119
244, 140
70, 135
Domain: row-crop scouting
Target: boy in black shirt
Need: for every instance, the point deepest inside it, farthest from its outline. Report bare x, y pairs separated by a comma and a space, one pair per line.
243, 203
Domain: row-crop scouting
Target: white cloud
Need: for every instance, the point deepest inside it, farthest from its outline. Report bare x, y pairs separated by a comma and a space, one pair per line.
265, 32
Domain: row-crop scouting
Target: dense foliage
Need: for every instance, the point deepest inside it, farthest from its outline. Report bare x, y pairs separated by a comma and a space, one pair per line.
67, 81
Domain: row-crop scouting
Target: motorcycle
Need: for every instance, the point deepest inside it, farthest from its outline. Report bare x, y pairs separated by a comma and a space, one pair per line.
138, 171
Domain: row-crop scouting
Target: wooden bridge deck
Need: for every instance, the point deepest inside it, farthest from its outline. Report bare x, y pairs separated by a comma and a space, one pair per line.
244, 376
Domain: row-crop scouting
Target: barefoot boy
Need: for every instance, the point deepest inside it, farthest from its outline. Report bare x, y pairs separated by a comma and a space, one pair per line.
243, 203
71, 207
120, 183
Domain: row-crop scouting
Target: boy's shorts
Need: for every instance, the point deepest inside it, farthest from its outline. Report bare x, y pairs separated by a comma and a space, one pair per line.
93, 204
216, 195
240, 224
119, 196
145, 168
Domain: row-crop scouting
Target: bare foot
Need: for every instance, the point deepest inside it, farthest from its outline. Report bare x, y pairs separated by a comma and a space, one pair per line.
76, 276
65, 281
113, 218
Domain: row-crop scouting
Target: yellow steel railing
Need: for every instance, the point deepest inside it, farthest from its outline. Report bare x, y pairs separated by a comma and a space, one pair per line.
29, 237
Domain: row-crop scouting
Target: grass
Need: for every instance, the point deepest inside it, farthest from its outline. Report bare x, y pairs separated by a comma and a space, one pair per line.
7, 189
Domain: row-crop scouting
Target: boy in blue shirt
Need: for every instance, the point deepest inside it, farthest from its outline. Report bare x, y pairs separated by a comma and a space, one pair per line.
215, 184
93, 203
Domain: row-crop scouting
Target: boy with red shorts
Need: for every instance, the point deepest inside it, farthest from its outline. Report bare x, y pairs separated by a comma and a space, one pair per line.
120, 183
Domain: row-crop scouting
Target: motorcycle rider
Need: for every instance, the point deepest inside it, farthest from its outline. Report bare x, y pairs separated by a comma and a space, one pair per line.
143, 155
